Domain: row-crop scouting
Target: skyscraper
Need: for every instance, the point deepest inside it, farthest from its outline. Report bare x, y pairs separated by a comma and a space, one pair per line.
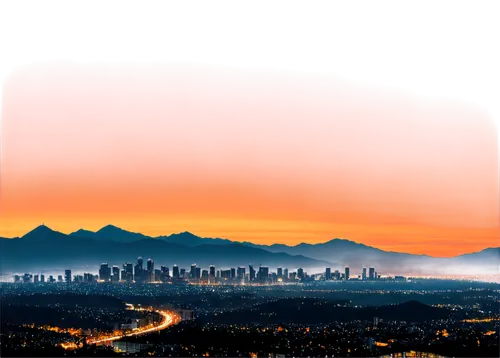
371, 273
151, 270
300, 273
204, 276
328, 274
116, 274
175, 271
233, 273
129, 272
104, 272
336, 275
241, 274
198, 273
35, 278
251, 271
263, 274
192, 273
285, 274
346, 274
280, 272
42, 278
67, 276
364, 274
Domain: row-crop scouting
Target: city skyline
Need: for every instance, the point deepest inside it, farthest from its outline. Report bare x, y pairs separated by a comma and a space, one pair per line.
252, 159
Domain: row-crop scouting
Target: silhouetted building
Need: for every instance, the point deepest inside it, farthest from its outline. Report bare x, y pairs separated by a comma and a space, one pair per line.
42, 278
346, 273
67, 276
35, 279
192, 273
204, 276
364, 274
279, 272
241, 274
371, 273
336, 275
251, 272
116, 274
175, 271
285, 274
150, 270
300, 273
328, 274
211, 274
104, 272
59, 278
263, 274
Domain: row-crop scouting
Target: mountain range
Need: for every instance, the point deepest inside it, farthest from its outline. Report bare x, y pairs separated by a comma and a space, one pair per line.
44, 249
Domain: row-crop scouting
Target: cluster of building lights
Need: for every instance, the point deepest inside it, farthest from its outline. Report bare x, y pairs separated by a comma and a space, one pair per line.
140, 273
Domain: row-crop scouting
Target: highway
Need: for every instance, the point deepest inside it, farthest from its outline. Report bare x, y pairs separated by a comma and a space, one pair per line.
168, 318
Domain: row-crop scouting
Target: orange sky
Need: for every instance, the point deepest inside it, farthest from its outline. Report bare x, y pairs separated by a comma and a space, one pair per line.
258, 156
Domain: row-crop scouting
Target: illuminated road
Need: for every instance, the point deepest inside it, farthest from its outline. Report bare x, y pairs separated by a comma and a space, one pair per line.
169, 318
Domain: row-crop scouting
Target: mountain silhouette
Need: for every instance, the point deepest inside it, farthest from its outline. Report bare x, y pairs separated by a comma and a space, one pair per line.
482, 258
44, 233
111, 233
189, 239
115, 245
45, 249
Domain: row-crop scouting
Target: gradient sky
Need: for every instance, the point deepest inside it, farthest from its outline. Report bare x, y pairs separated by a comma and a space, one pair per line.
250, 155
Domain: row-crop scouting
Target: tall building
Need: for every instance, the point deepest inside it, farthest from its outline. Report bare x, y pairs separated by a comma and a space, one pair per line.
67, 276
279, 272
116, 274
364, 274
371, 273
198, 273
42, 278
105, 272
328, 274
175, 271
35, 279
139, 276
336, 275
204, 276
129, 272
59, 278
241, 274
140, 262
192, 273
263, 274
251, 272
165, 271
285, 274
150, 270
233, 273
300, 273
346, 273
212, 271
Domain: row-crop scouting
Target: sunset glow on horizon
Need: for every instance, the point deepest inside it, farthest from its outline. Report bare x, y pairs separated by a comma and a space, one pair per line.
249, 155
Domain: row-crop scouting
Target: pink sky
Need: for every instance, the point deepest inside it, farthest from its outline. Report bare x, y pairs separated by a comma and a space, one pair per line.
248, 155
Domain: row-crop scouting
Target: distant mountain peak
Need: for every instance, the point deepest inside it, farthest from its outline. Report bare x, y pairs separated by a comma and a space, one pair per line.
110, 227
185, 233
41, 231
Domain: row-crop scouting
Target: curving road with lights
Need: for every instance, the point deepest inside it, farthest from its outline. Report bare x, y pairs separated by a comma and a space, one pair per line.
169, 318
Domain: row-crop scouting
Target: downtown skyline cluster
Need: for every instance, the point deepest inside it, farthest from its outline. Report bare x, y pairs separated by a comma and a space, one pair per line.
145, 272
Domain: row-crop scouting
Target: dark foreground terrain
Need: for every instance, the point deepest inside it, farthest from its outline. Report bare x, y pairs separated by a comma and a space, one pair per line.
297, 321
